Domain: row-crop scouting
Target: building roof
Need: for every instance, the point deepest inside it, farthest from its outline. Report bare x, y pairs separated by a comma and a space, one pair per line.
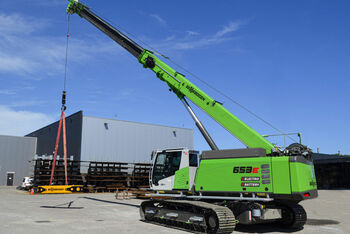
107, 119
126, 121
329, 158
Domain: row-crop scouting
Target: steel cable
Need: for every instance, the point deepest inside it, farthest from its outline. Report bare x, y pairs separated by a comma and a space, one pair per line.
195, 76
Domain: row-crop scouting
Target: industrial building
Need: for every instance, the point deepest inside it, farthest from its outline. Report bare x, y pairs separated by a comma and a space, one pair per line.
90, 139
111, 140
332, 171
15, 158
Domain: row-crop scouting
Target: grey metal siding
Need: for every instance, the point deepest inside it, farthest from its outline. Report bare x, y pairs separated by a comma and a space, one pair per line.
47, 137
123, 141
15, 156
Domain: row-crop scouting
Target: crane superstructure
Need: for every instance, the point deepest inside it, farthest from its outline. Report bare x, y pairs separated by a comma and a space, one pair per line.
213, 191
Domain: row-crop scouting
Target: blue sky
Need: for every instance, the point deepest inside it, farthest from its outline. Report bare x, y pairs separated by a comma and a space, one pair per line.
288, 61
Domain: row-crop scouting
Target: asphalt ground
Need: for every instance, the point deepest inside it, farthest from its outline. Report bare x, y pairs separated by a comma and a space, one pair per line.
21, 212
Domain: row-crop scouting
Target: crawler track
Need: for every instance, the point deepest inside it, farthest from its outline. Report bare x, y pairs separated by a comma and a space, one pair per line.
195, 216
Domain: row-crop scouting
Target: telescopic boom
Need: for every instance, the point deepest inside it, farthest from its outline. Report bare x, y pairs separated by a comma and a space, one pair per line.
178, 84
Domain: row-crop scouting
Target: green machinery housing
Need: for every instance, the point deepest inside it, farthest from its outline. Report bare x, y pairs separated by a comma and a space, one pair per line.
283, 176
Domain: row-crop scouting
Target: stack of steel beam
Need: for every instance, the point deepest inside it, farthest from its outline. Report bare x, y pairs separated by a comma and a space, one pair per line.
42, 172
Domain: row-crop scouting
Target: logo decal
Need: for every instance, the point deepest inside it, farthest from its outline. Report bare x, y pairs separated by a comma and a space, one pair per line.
246, 170
250, 178
192, 90
250, 184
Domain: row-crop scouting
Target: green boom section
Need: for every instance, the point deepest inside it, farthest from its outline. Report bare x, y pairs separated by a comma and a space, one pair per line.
184, 88
75, 7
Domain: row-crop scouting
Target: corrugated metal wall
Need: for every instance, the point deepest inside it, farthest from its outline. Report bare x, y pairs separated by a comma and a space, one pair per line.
15, 154
47, 137
123, 141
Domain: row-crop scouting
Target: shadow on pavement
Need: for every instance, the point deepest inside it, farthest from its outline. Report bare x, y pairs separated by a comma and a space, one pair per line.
264, 228
68, 204
111, 202
270, 227
321, 222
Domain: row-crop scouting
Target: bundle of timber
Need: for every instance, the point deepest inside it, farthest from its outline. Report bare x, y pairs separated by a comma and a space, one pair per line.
42, 172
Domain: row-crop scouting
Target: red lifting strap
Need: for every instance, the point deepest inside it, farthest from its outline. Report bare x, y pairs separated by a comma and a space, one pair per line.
62, 119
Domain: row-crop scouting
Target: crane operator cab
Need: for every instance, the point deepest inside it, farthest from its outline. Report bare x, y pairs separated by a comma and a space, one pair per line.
174, 169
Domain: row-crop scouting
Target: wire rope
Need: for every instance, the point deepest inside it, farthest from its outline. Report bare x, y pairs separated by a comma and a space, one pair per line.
66, 58
195, 76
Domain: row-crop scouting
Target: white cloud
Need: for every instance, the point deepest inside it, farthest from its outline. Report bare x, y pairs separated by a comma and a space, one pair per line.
20, 123
192, 33
231, 27
42, 3
50, 3
15, 90
199, 43
42, 55
17, 24
192, 40
9, 63
169, 38
26, 103
158, 18
7, 92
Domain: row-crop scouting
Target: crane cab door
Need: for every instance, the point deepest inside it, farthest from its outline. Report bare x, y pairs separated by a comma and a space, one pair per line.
184, 178
173, 170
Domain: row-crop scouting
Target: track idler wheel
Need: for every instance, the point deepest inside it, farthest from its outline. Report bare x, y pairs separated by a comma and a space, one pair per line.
293, 216
145, 213
212, 223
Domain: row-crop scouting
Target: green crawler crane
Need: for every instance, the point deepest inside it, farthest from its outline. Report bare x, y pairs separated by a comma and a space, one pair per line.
213, 191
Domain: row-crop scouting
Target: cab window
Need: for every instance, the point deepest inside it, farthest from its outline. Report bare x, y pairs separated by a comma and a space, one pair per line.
193, 160
166, 165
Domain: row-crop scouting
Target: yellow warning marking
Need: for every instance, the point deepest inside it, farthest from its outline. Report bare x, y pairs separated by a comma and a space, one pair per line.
55, 189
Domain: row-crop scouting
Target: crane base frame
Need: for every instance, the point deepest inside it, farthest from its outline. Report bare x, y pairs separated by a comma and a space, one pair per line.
58, 189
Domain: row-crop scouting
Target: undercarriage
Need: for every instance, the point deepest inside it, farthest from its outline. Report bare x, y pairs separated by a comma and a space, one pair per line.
221, 216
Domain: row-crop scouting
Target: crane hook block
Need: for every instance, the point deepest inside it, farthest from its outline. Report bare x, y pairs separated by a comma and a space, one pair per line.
63, 98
